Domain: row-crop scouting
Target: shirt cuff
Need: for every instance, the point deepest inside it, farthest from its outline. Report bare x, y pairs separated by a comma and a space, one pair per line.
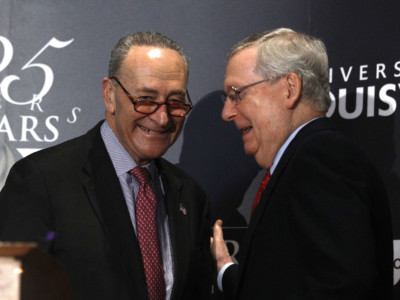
221, 274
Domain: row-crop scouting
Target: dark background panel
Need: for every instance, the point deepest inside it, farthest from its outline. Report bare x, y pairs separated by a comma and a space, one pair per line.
360, 37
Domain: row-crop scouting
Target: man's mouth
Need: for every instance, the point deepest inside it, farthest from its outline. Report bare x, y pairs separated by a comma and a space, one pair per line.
151, 131
245, 130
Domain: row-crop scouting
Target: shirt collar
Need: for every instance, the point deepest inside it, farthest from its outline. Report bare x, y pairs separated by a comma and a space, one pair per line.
283, 148
120, 158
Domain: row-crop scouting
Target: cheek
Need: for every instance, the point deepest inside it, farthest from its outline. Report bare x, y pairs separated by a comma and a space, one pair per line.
178, 125
125, 112
266, 130
123, 122
262, 122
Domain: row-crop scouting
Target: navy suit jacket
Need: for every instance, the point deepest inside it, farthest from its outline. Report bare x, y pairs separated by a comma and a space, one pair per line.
68, 199
322, 229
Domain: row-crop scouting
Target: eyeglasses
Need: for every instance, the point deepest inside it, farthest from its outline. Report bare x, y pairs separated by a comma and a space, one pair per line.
175, 107
233, 93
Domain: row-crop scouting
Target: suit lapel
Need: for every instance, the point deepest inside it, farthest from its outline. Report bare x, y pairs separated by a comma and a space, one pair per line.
106, 197
178, 224
312, 127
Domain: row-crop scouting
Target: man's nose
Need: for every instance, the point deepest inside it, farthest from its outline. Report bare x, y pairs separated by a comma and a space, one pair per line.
161, 116
228, 111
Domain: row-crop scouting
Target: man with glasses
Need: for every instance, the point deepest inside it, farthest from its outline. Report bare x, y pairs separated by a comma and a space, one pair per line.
124, 222
320, 226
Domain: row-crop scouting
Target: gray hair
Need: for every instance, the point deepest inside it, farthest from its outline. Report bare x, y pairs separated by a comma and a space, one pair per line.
155, 39
282, 51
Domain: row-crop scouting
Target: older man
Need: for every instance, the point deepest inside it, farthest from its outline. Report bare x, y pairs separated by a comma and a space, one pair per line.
125, 223
320, 227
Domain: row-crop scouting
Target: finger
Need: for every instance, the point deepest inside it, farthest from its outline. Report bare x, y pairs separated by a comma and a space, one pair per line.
217, 230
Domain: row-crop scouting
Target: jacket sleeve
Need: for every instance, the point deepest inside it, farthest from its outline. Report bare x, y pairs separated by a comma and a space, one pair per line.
229, 281
25, 212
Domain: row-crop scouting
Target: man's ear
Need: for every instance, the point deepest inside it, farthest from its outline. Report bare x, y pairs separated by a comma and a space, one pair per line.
108, 95
293, 86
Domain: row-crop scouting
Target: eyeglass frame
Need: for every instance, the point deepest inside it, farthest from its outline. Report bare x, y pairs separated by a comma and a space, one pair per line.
238, 90
159, 104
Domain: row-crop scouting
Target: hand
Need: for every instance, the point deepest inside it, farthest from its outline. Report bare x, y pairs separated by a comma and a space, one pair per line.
219, 251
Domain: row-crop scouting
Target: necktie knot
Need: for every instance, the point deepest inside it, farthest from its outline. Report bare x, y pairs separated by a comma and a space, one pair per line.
141, 174
260, 191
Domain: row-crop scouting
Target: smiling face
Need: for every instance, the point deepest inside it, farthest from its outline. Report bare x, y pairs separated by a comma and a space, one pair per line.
262, 115
153, 72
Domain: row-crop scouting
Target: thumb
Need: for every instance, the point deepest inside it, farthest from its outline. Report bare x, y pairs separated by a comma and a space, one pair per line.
217, 230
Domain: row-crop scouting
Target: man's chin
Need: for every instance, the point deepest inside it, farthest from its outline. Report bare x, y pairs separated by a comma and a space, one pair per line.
263, 161
248, 151
154, 155
144, 156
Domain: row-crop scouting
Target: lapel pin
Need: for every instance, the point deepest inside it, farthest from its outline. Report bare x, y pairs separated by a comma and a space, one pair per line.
182, 209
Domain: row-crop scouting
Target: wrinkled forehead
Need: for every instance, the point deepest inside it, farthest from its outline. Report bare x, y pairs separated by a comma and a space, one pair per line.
155, 59
240, 68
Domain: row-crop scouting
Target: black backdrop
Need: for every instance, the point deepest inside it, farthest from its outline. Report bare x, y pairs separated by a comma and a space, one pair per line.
53, 55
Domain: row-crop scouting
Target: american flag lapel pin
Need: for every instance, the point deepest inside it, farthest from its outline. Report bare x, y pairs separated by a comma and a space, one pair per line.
182, 209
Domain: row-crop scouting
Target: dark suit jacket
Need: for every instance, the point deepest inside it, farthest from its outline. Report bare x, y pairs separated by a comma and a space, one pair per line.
71, 192
322, 229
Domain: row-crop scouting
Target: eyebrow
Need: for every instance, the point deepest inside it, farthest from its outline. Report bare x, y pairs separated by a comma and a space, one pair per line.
154, 91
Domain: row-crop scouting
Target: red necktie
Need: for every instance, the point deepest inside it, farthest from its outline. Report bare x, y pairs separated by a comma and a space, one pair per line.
260, 190
146, 222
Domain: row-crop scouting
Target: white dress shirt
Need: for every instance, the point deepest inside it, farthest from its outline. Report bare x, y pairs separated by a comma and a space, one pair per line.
123, 163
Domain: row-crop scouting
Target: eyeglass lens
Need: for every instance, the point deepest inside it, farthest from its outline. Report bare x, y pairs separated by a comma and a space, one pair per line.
174, 109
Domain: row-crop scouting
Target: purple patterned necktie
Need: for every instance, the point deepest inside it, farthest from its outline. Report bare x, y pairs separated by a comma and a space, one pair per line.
146, 222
